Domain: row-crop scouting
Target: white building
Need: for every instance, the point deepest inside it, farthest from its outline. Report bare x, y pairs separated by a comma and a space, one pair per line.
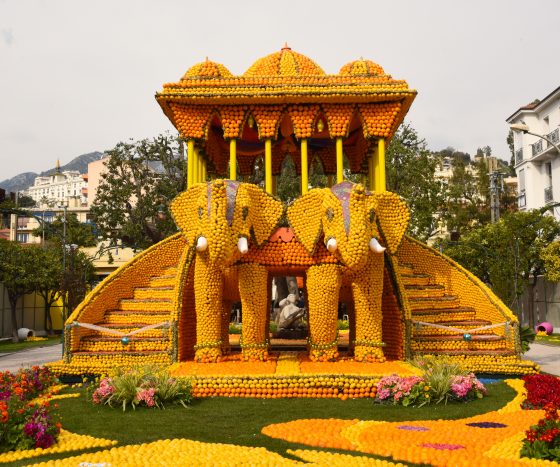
537, 162
59, 188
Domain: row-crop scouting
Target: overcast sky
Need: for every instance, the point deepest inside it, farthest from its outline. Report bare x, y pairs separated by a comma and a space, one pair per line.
79, 76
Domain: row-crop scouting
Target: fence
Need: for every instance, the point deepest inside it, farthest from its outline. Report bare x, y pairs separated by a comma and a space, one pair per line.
30, 313
546, 304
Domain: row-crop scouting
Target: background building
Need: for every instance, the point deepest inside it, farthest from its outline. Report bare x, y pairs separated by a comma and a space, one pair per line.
537, 162
59, 188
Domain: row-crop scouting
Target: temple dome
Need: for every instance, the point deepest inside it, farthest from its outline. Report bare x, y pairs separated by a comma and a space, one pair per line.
286, 62
207, 69
361, 67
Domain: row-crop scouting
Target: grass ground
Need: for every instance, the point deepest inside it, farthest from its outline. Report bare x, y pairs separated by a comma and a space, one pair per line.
239, 421
552, 339
9, 346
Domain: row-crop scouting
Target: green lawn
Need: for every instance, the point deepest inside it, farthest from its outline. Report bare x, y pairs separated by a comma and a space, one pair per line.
239, 420
552, 339
9, 346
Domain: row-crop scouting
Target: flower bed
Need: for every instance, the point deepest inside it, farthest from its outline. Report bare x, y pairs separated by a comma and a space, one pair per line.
25, 424
541, 391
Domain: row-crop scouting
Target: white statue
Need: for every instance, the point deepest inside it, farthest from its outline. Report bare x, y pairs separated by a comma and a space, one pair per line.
290, 313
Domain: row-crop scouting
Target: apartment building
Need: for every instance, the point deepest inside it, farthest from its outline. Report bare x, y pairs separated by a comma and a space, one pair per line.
537, 160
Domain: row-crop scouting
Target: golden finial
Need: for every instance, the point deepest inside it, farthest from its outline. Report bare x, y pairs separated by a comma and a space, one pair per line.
286, 46
58, 166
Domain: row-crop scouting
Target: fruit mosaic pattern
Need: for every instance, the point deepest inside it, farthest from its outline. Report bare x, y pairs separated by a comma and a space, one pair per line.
493, 438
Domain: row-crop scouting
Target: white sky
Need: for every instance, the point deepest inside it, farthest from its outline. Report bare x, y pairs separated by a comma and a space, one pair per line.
78, 76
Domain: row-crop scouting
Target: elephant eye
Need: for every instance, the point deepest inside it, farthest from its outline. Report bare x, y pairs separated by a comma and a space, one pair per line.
200, 212
372, 216
330, 214
245, 212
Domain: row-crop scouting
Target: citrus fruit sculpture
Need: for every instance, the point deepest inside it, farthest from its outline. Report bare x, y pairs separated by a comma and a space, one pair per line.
172, 302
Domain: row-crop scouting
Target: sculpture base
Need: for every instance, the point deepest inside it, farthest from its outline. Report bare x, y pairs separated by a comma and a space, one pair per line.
290, 334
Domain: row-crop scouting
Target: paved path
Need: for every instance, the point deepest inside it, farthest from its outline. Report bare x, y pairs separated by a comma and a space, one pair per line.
547, 356
27, 358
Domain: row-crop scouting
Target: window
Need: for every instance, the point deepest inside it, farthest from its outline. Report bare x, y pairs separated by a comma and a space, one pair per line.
522, 181
548, 174
23, 237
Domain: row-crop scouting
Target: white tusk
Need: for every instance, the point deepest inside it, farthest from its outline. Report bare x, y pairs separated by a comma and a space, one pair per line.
242, 245
201, 244
331, 245
375, 246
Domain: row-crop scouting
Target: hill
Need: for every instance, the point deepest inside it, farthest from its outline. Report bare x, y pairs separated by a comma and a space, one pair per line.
25, 180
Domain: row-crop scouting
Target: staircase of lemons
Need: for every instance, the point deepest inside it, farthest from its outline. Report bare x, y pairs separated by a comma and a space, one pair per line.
445, 307
144, 292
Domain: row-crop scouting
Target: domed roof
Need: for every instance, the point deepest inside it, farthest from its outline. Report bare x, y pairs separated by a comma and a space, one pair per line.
361, 67
284, 63
207, 69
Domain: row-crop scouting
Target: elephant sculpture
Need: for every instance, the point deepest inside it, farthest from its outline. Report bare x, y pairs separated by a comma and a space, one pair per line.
221, 220
354, 225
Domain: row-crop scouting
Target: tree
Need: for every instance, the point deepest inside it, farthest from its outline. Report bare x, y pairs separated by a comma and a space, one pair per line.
410, 173
551, 259
509, 254
49, 274
467, 202
76, 277
140, 180
17, 273
69, 231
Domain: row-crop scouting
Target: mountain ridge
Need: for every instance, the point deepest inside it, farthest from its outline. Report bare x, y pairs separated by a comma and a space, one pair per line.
24, 180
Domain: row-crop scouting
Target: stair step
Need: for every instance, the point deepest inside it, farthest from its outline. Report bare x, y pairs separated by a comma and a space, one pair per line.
467, 325
142, 313
425, 291
163, 281
500, 352
127, 317
416, 279
131, 339
406, 268
458, 337
154, 293
444, 302
154, 304
116, 354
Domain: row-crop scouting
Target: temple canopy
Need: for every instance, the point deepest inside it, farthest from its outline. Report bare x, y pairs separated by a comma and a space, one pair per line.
285, 104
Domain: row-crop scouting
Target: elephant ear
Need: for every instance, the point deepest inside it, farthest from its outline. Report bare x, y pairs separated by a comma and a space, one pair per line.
392, 217
305, 216
264, 211
188, 208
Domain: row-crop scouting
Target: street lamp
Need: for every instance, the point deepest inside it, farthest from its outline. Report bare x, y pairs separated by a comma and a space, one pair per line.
525, 129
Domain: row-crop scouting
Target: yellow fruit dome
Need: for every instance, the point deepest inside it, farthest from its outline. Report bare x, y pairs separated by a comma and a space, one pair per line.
284, 63
362, 67
207, 69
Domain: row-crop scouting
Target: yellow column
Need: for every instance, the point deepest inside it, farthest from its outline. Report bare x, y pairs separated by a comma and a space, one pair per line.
190, 162
304, 167
382, 183
371, 170
268, 165
200, 168
233, 159
204, 174
339, 161
196, 166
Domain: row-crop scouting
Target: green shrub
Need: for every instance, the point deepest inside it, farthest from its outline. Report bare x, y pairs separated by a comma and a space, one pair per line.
343, 324
151, 386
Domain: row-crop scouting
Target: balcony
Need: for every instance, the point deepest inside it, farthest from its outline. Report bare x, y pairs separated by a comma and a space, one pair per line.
548, 197
521, 200
537, 147
519, 156
553, 136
